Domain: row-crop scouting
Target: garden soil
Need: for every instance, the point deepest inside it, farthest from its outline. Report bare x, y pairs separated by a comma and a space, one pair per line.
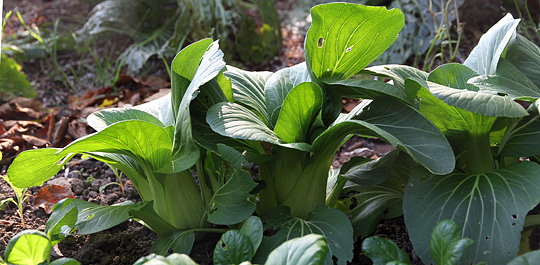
127, 242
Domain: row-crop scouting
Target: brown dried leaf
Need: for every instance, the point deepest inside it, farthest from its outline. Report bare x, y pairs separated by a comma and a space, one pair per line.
13, 111
35, 141
162, 92
31, 103
49, 195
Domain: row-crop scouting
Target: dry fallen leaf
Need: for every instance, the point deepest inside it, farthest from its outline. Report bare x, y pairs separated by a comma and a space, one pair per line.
49, 195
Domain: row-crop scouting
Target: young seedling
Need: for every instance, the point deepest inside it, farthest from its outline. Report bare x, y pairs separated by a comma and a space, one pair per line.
20, 197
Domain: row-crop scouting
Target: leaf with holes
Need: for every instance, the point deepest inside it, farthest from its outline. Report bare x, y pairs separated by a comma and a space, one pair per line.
330, 222
345, 38
491, 208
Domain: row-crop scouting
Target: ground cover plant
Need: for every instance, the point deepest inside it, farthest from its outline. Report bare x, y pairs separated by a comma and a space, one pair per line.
461, 143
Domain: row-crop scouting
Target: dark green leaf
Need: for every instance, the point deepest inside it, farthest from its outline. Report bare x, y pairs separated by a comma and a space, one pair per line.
369, 173
330, 222
231, 203
491, 208
401, 126
233, 248
525, 55
181, 241
95, 219
522, 139
252, 228
381, 251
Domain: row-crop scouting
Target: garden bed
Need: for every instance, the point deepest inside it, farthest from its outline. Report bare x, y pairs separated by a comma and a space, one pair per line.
127, 242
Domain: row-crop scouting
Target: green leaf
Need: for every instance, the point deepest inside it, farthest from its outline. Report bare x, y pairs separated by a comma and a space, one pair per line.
344, 38
186, 151
233, 248
253, 230
13, 82
522, 139
491, 208
33, 167
231, 203
299, 110
381, 251
530, 258
29, 247
100, 120
234, 120
181, 241
65, 261
330, 222
210, 94
455, 123
449, 84
370, 172
525, 56
372, 203
185, 65
509, 81
310, 250
492, 45
398, 73
147, 143
366, 88
61, 216
279, 85
248, 89
98, 218
398, 124
446, 244
160, 108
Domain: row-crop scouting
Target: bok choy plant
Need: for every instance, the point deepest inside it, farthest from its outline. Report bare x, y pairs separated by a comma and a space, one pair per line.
479, 107
153, 145
290, 124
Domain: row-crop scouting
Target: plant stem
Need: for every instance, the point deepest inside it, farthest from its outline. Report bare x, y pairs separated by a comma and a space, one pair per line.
332, 198
477, 157
310, 189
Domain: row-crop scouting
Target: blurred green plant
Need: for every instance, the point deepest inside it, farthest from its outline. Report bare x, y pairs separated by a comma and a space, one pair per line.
13, 82
163, 27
